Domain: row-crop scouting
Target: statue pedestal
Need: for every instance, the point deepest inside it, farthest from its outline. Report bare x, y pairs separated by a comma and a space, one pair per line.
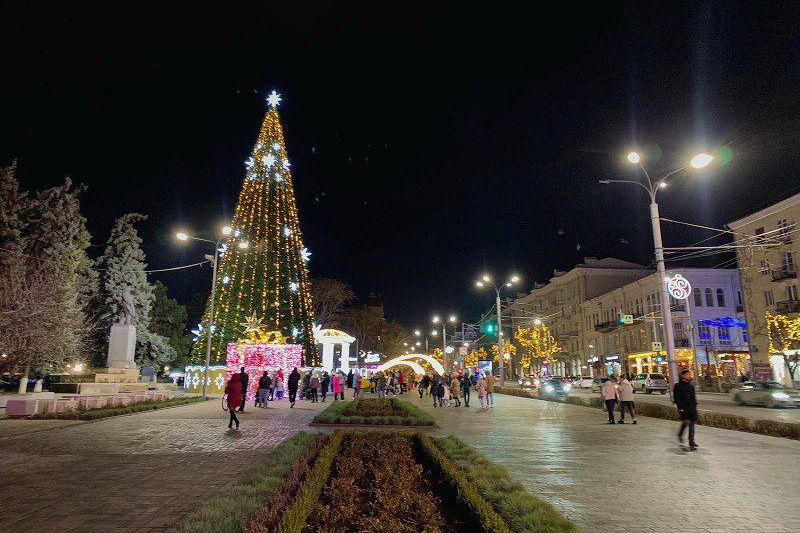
122, 346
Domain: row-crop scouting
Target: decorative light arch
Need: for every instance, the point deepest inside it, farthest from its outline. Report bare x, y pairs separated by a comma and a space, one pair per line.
414, 366
437, 366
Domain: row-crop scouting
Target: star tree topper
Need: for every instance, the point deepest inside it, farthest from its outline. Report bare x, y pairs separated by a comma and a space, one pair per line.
274, 99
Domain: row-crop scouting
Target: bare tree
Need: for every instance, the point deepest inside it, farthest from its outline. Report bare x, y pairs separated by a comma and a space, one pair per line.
330, 297
392, 339
364, 325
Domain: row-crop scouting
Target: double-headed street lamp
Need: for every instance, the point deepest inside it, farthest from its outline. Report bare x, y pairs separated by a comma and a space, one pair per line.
486, 281
437, 320
226, 231
697, 162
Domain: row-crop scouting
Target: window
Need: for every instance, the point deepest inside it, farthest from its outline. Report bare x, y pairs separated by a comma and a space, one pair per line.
720, 298
768, 299
745, 336
680, 337
787, 261
791, 292
738, 297
724, 336
709, 298
783, 227
698, 298
759, 231
704, 334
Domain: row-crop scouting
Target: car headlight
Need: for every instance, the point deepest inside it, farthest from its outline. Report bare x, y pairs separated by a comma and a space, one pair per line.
548, 388
780, 395
567, 388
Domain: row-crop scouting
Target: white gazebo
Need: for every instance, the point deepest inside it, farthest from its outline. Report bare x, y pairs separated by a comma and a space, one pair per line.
329, 338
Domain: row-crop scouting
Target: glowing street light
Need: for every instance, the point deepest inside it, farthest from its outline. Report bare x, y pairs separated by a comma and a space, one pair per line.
701, 160
182, 236
634, 158
497, 288
226, 230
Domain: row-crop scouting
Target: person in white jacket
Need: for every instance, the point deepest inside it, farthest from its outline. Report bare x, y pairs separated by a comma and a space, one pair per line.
625, 394
609, 393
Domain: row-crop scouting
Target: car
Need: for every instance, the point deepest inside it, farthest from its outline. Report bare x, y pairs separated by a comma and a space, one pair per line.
597, 384
554, 387
649, 383
766, 393
584, 382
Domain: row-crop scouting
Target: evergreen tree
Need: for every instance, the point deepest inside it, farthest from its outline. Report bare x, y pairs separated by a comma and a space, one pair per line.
269, 277
168, 319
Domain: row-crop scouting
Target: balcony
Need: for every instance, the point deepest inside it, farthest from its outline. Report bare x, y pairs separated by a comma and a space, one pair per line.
680, 306
607, 326
784, 273
789, 306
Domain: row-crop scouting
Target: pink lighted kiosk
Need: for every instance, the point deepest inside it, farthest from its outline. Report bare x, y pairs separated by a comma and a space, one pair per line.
258, 358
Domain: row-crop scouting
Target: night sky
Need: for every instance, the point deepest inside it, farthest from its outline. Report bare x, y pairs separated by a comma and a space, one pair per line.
427, 145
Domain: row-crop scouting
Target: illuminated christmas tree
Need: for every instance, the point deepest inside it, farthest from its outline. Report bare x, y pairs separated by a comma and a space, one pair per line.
262, 278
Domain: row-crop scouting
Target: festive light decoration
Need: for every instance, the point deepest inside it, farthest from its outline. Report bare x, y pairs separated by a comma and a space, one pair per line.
539, 344
261, 275
305, 254
259, 358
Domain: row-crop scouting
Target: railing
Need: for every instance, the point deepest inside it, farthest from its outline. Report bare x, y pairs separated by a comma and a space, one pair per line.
607, 326
681, 306
789, 306
783, 273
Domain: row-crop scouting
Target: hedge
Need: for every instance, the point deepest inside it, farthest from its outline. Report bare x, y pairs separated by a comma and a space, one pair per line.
521, 511
465, 491
788, 430
81, 413
415, 416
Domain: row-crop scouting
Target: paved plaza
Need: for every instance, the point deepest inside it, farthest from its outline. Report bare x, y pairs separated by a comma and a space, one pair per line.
145, 472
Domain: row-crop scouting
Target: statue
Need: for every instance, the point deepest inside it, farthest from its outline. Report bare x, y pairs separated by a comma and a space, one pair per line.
126, 318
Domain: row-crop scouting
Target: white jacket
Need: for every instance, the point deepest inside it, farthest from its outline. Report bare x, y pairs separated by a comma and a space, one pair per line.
625, 391
609, 390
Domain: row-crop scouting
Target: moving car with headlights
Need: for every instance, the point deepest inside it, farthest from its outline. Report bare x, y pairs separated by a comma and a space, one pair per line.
650, 383
766, 393
555, 387
528, 382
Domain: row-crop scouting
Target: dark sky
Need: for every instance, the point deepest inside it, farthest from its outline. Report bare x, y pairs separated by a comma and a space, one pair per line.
427, 144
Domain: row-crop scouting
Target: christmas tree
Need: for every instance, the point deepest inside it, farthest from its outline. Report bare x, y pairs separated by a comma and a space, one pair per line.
262, 278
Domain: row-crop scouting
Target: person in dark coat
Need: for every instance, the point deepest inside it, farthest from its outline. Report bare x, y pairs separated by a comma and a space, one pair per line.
294, 379
350, 380
234, 392
263, 390
243, 378
423, 385
686, 402
466, 385
326, 381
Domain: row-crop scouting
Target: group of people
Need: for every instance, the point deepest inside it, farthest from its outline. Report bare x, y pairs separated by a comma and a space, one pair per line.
619, 390
450, 388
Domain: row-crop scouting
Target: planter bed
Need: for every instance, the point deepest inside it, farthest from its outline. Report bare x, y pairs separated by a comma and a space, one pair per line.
82, 413
788, 430
374, 411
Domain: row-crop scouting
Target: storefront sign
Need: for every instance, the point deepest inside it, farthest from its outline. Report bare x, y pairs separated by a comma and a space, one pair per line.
679, 287
657, 346
762, 372
612, 358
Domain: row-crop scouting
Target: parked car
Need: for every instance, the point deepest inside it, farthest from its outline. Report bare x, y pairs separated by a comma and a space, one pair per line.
766, 393
650, 383
584, 382
597, 384
554, 387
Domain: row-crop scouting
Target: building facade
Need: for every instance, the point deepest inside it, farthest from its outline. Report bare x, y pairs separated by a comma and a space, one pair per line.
712, 317
557, 303
767, 258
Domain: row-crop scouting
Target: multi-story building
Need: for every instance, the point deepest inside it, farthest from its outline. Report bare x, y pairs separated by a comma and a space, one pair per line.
557, 303
767, 258
712, 317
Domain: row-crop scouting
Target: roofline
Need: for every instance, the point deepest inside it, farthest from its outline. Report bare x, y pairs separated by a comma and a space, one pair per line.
769, 210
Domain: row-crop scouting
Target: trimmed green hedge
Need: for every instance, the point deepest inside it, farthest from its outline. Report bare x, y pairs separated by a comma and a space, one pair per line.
295, 516
521, 511
464, 489
81, 413
788, 430
415, 416
223, 514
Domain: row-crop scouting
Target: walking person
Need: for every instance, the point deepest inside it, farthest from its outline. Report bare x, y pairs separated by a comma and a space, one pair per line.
609, 393
356, 385
324, 384
314, 385
273, 381
625, 392
466, 385
306, 392
686, 402
233, 390
243, 378
422, 385
455, 391
480, 387
336, 386
277, 386
262, 397
490, 390
445, 388
380, 384
401, 382
350, 380
294, 380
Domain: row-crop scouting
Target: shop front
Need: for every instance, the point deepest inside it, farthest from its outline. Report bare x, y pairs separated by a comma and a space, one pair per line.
656, 362
612, 364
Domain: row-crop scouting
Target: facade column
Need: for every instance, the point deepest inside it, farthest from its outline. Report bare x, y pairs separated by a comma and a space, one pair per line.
327, 355
345, 359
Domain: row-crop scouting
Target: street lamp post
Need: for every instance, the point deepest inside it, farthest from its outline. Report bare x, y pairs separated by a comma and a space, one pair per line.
445, 355
214, 261
486, 280
697, 162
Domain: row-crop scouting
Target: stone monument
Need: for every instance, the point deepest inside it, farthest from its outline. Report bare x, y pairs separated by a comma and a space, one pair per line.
122, 341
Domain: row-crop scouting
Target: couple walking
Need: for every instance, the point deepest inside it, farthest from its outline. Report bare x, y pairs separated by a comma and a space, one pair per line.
620, 390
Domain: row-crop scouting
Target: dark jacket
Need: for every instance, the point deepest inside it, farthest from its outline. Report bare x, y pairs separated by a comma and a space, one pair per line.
294, 377
350, 380
264, 382
326, 381
244, 379
685, 400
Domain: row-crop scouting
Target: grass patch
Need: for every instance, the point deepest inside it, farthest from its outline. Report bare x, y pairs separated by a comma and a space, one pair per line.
224, 514
389, 411
81, 413
520, 511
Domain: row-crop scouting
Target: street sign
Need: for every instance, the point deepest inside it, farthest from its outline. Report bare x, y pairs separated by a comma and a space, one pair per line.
657, 347
679, 287
462, 350
627, 319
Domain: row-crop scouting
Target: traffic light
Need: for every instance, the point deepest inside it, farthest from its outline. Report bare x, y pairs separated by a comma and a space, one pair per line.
489, 328
621, 319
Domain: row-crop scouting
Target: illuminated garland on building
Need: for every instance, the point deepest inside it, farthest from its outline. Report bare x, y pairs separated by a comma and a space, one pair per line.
268, 278
783, 333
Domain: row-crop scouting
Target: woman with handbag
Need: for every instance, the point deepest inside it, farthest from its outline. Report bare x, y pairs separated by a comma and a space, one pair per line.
233, 392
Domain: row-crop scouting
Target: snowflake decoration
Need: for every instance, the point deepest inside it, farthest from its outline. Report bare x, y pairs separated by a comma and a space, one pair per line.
287, 230
268, 160
226, 280
198, 331
295, 331
252, 176
278, 178
276, 146
258, 146
293, 286
196, 380
286, 163
219, 381
274, 99
305, 254
222, 249
236, 233
250, 162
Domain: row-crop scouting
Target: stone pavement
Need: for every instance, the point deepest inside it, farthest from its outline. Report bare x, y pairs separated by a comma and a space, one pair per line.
142, 472
634, 478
